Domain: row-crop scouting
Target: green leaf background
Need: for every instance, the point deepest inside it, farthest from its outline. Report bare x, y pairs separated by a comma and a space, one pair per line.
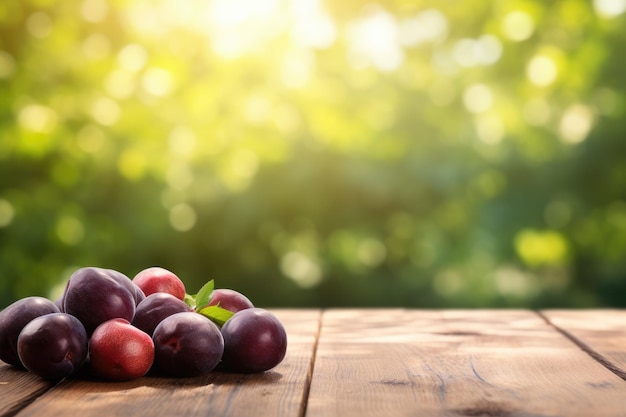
309, 153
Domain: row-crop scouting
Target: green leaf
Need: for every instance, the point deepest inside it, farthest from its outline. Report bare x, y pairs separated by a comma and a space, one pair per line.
203, 298
217, 314
190, 300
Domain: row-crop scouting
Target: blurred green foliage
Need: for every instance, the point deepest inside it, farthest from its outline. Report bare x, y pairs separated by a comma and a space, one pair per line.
349, 153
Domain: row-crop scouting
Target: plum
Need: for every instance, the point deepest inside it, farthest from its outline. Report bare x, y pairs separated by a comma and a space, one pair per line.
156, 307
119, 351
95, 295
53, 346
13, 319
254, 341
230, 300
187, 344
157, 279
128, 283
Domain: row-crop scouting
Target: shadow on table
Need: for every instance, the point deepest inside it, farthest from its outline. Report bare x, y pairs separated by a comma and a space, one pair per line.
154, 379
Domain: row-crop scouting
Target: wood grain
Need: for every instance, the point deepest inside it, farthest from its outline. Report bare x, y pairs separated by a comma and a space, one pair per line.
455, 363
600, 332
18, 388
278, 392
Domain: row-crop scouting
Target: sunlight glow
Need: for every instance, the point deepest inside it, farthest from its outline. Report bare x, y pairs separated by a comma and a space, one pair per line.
236, 13
478, 98
485, 50
239, 26
428, 26
518, 26
120, 84
257, 109
37, 118
312, 26
96, 46
297, 68
182, 141
158, 81
182, 217
301, 269
609, 8
105, 111
94, 11
464, 53
542, 70
373, 41
576, 123
132, 57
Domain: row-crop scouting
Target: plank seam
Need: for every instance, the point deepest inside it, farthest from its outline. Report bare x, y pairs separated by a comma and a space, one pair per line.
595, 355
21, 405
309, 380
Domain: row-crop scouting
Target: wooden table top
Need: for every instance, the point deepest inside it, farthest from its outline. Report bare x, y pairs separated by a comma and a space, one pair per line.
390, 362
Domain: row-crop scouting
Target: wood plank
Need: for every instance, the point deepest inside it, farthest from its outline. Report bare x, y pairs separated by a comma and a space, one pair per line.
278, 392
600, 332
19, 388
455, 363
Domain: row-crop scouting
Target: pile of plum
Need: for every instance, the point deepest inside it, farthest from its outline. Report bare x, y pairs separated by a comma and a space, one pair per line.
123, 328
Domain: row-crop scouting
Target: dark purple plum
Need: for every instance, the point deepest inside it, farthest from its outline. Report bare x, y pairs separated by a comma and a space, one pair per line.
155, 308
187, 344
95, 295
254, 341
13, 319
59, 303
53, 346
230, 300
